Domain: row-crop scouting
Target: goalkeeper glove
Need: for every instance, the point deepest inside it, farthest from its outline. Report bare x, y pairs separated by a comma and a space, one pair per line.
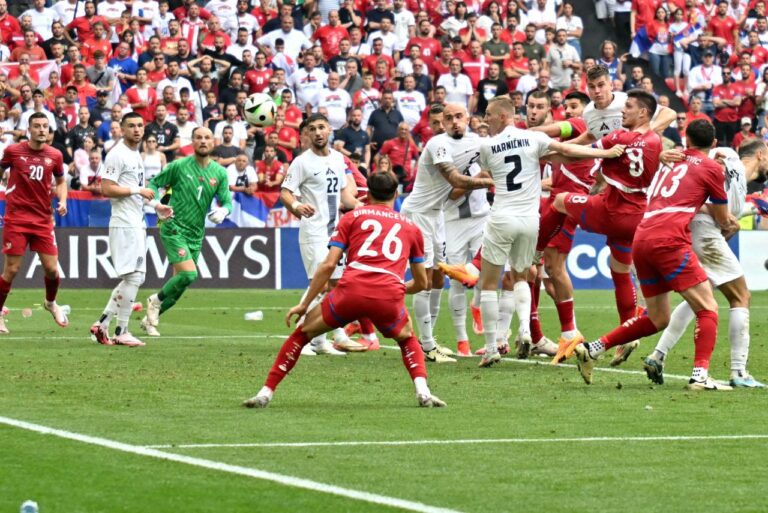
217, 215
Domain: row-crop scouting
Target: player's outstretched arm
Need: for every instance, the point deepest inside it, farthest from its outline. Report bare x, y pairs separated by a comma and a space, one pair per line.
349, 195
111, 189
164, 179
460, 181
419, 281
585, 152
317, 284
664, 118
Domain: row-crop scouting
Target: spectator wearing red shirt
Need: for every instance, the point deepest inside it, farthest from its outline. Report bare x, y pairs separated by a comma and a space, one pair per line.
723, 25
8, 24
288, 138
256, 80
472, 32
403, 152
270, 171
99, 41
208, 37
84, 24
476, 64
330, 35
30, 47
429, 46
142, 97
694, 112
643, 11
291, 111
181, 12
758, 55
747, 86
381, 78
512, 34
457, 47
84, 89
263, 13
743, 134
443, 64
516, 66
726, 100
369, 63
557, 108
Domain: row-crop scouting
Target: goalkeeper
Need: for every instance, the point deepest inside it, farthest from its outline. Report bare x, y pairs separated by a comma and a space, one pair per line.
194, 180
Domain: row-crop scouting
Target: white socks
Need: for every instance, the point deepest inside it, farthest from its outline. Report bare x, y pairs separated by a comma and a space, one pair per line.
506, 310
112, 306
125, 305
423, 317
738, 334
421, 386
435, 295
489, 306
681, 317
522, 294
457, 298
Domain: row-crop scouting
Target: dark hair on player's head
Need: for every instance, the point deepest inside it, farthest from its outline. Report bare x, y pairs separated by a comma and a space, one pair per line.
751, 146
700, 133
436, 108
598, 71
578, 95
645, 99
540, 95
311, 119
128, 116
37, 115
382, 186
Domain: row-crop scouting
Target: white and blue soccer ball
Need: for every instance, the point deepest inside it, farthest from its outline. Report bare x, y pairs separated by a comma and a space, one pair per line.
260, 110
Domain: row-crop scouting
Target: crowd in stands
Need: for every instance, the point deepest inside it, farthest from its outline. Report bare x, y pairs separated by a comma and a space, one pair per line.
372, 66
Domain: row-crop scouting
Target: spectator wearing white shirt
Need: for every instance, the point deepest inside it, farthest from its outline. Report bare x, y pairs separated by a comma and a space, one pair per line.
387, 36
42, 18
242, 176
702, 80
458, 86
243, 19
572, 25
239, 132
174, 80
241, 44
161, 20
307, 81
563, 60
225, 11
295, 41
185, 126
405, 24
65, 11
529, 82
335, 99
542, 17
145, 11
410, 102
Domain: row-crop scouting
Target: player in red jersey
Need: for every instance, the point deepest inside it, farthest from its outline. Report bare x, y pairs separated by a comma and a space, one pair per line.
665, 260
379, 243
28, 217
617, 210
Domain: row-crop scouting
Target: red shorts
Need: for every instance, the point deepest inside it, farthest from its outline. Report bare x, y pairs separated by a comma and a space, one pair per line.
342, 306
550, 222
40, 240
662, 267
563, 241
591, 213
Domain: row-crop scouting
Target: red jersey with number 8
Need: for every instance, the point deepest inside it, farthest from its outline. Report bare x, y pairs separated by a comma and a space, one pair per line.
379, 243
28, 194
677, 193
630, 175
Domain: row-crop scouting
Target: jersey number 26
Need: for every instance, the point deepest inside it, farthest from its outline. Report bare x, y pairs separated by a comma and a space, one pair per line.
391, 246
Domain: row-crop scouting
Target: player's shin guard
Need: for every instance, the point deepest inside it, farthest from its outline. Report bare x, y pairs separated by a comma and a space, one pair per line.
51, 287
626, 300
457, 297
413, 357
738, 334
507, 304
489, 306
566, 316
5, 289
533, 309
704, 338
423, 319
633, 329
175, 287
681, 317
286, 358
435, 296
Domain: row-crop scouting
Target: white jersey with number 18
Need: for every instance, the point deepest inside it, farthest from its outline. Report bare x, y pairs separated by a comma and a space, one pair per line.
512, 157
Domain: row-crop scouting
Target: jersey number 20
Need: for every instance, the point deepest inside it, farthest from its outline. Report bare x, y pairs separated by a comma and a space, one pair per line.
391, 246
517, 166
36, 172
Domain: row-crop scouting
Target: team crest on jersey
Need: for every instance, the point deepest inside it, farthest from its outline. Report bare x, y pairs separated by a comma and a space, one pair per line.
212, 182
8, 245
182, 252
48, 161
603, 127
329, 171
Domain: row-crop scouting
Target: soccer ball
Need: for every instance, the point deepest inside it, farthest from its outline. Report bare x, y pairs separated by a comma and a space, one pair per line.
260, 110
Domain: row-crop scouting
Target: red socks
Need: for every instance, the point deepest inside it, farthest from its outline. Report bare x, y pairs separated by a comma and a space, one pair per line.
633, 329
5, 289
536, 333
413, 357
625, 295
366, 326
286, 358
565, 314
704, 337
51, 288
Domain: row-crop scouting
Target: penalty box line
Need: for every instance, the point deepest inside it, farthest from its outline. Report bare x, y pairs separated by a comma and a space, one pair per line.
286, 480
469, 441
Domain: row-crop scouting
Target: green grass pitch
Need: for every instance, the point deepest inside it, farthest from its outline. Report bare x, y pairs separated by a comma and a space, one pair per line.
186, 387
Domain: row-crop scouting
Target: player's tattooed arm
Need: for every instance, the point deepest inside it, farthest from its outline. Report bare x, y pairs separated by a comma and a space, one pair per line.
460, 181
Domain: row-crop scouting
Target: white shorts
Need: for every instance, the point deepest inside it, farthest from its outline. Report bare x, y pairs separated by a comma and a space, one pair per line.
716, 256
128, 250
510, 239
313, 254
463, 238
433, 230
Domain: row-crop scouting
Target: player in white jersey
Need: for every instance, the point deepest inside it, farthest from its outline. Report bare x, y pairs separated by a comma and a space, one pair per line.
442, 167
512, 157
123, 182
721, 265
318, 176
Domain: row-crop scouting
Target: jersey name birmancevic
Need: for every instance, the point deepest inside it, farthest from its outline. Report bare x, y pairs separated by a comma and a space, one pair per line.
125, 167
430, 190
512, 157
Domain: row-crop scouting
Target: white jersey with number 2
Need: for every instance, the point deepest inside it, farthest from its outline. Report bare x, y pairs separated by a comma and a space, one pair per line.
512, 157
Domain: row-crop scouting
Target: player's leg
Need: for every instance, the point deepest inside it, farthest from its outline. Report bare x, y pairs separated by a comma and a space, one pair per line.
506, 311
679, 320
50, 264
11, 267
738, 296
624, 292
457, 251
313, 326
562, 294
129, 289
489, 306
532, 325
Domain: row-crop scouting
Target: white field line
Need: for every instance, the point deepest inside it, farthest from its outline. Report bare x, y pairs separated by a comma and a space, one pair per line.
295, 482
161, 339
214, 308
592, 439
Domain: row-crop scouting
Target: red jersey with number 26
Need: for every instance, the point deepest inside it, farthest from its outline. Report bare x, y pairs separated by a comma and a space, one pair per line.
630, 175
379, 243
28, 194
677, 193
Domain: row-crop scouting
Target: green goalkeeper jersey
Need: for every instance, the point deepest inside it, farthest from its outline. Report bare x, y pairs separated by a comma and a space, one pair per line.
193, 189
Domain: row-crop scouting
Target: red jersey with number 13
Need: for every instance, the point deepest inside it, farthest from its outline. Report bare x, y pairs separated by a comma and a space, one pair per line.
28, 194
677, 193
379, 243
630, 175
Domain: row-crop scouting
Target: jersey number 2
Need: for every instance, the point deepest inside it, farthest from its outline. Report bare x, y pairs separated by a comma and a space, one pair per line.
517, 167
391, 246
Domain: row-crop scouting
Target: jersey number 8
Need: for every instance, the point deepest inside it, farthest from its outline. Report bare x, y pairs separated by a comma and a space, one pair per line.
391, 246
635, 156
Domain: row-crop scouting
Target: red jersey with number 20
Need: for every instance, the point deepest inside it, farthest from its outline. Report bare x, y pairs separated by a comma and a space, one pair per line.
677, 193
28, 194
630, 175
379, 243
